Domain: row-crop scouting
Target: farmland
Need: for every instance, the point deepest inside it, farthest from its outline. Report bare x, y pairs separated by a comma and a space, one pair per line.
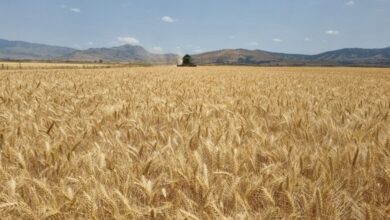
195, 143
39, 65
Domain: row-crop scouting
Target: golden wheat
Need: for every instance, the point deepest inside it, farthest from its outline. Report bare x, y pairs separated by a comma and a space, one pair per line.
197, 143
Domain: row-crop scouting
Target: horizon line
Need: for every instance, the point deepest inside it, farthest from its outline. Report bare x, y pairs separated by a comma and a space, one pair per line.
216, 50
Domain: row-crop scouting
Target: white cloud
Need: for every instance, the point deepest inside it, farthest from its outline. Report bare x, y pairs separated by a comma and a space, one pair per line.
128, 40
350, 3
167, 19
277, 40
156, 50
75, 10
254, 43
307, 39
89, 43
332, 32
232, 37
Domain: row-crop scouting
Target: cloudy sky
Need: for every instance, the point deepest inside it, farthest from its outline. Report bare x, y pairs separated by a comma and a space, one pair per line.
193, 26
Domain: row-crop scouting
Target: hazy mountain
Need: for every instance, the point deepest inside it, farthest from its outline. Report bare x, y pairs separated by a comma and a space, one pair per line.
353, 56
24, 50
237, 56
128, 53
248, 57
19, 50
136, 54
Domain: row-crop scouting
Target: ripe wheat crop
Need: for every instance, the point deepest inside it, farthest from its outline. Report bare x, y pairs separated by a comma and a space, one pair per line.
196, 143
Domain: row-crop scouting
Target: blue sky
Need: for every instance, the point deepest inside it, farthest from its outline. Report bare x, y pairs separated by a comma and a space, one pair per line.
193, 26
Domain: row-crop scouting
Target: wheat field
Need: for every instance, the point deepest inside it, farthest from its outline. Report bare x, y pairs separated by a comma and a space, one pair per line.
195, 143
14, 65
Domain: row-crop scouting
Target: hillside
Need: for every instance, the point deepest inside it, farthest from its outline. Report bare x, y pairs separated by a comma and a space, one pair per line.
17, 50
357, 56
24, 50
238, 56
129, 53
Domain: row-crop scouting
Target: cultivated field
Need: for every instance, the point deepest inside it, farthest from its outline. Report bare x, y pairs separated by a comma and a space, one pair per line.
14, 65
195, 143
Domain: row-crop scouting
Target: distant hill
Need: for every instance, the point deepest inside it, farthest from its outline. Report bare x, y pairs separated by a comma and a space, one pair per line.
352, 56
355, 56
235, 56
248, 57
129, 53
17, 50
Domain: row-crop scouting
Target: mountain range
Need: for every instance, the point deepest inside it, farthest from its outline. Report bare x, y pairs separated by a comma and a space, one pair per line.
343, 57
19, 50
